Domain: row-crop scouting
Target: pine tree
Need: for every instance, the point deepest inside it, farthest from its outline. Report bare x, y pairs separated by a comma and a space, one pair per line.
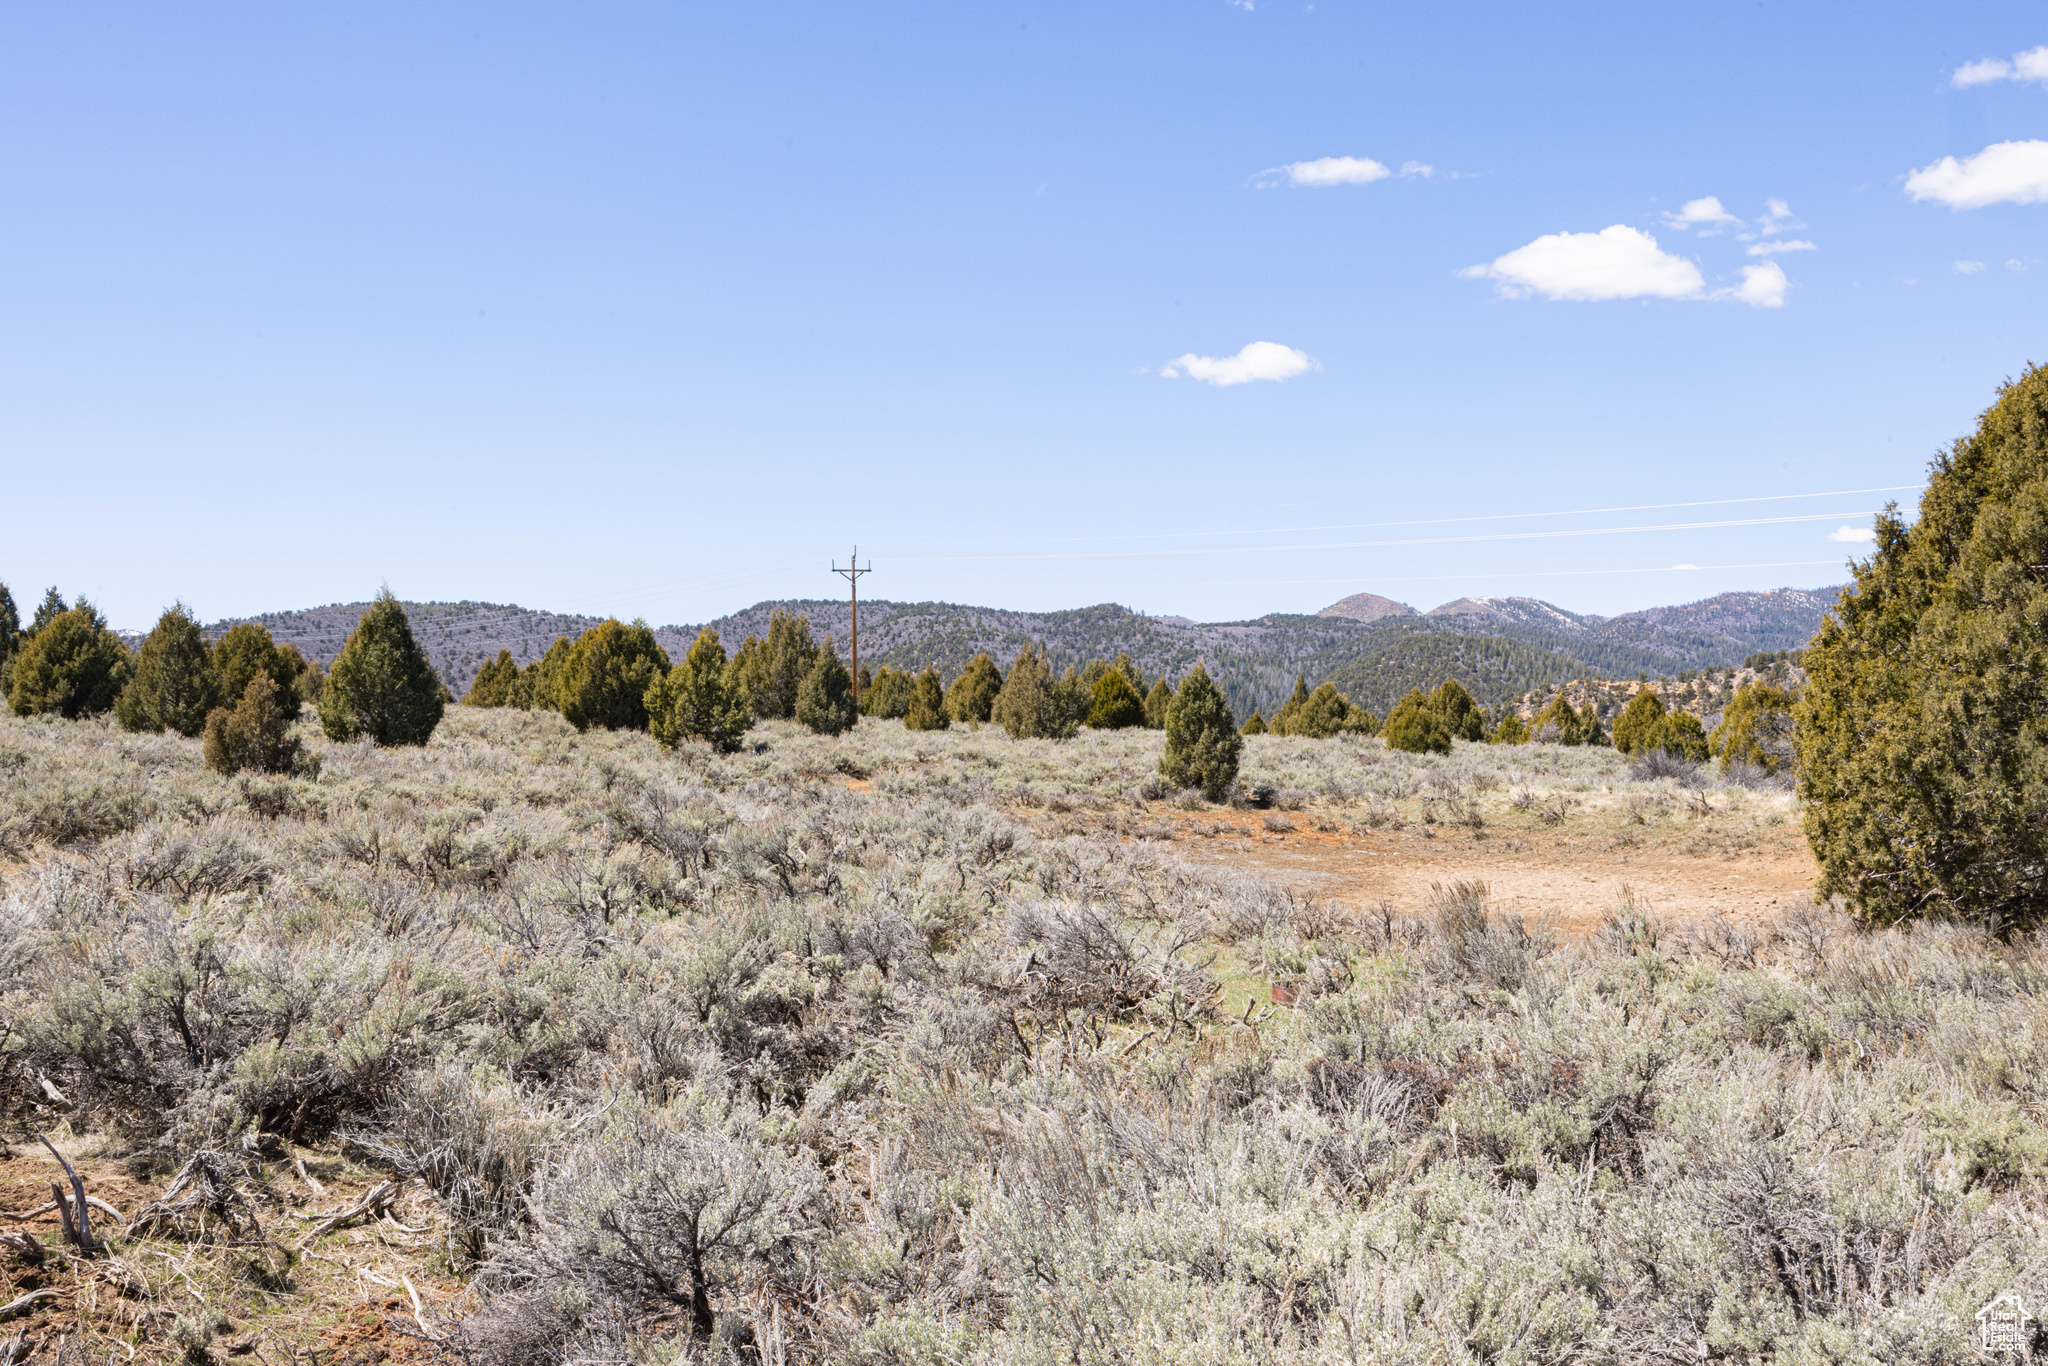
1416, 727
604, 680
1641, 722
1255, 726
494, 683
71, 665
824, 700
1284, 720
1158, 703
174, 685
252, 734
697, 700
1114, 704
247, 650
973, 694
1033, 704
1202, 743
381, 684
1459, 713
927, 704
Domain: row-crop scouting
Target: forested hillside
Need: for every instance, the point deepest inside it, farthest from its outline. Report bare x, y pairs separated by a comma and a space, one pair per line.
1501, 648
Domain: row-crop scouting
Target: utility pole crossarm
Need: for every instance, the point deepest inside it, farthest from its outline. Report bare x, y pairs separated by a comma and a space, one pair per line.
852, 573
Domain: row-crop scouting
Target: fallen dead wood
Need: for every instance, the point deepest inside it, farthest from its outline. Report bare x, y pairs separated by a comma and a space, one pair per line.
15, 1306
377, 1198
77, 1220
22, 1216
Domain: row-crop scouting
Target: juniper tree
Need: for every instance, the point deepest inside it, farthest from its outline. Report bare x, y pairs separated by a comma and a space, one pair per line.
247, 650
1131, 672
1157, 703
696, 700
1255, 726
973, 694
10, 625
381, 684
174, 685
1359, 721
927, 703
252, 734
1284, 719
1640, 722
1202, 743
307, 676
1559, 723
1756, 729
776, 668
494, 683
1416, 727
1033, 704
1322, 715
535, 690
48, 610
1461, 716
605, 677
824, 700
887, 696
71, 665
1590, 730
1114, 704
1512, 730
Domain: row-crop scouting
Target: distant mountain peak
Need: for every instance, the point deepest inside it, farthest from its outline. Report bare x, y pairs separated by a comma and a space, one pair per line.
1518, 611
1367, 607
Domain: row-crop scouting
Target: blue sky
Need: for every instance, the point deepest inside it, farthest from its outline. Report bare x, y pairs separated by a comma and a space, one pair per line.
656, 309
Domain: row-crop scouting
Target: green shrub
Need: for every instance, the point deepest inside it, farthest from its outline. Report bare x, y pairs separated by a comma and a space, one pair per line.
1202, 743
772, 671
973, 694
1756, 729
381, 684
174, 685
1414, 726
1255, 726
697, 700
72, 665
1158, 703
824, 701
606, 675
927, 703
1640, 722
1033, 704
247, 650
494, 683
1114, 703
888, 696
1460, 714
254, 734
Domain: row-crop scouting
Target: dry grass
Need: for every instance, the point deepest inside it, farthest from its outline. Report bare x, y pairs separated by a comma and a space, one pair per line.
912, 1048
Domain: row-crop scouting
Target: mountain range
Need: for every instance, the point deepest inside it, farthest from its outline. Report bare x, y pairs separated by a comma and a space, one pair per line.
1373, 648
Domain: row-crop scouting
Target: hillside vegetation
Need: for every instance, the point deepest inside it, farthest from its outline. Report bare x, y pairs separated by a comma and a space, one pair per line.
910, 1047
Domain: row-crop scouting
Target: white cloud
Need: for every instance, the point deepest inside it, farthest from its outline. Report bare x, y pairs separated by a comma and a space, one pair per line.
1701, 213
1421, 168
1968, 267
1327, 171
1615, 263
1762, 286
1260, 360
2031, 65
2003, 173
1779, 248
2016, 265
1853, 535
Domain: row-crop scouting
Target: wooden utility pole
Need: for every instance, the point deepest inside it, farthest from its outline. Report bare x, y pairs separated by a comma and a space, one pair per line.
853, 571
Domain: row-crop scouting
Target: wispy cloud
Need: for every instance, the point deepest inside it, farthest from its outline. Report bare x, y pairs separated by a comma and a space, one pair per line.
1325, 172
1706, 214
1779, 248
1259, 360
1778, 217
1968, 267
2031, 65
1853, 535
2003, 173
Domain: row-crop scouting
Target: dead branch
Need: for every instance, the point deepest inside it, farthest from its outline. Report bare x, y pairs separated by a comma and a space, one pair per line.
378, 1197
79, 1211
22, 1216
15, 1306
